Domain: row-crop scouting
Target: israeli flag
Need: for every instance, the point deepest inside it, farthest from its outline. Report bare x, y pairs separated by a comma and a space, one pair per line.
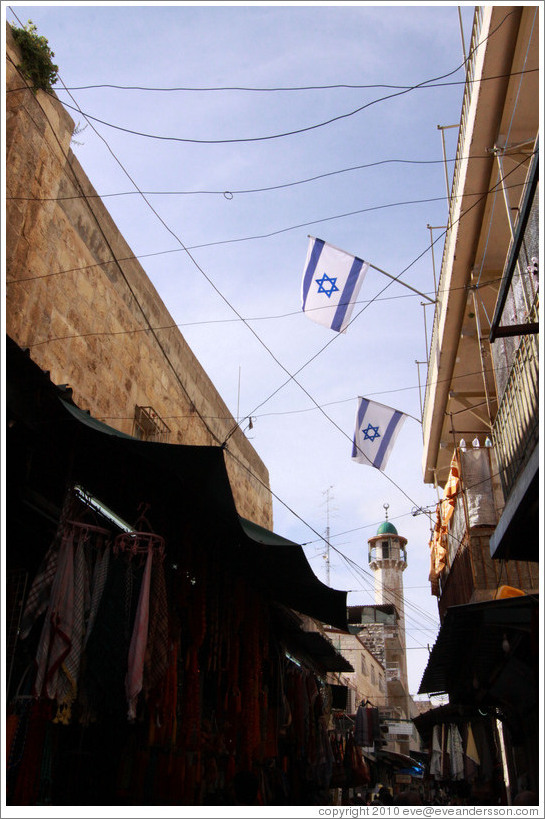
377, 428
331, 284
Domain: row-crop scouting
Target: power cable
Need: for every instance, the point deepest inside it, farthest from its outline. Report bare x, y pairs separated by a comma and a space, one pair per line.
206, 322
268, 235
258, 338
231, 193
293, 512
294, 132
131, 290
348, 86
389, 284
368, 394
292, 377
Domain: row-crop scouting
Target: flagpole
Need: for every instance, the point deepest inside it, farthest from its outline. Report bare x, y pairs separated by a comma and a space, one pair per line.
424, 296
380, 270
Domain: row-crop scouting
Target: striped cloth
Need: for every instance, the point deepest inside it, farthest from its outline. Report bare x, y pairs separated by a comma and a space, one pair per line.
40, 591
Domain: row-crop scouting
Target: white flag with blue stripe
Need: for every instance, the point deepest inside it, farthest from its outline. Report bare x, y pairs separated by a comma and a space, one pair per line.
377, 427
331, 284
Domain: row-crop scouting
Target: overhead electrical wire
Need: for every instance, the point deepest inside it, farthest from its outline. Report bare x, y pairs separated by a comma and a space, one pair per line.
294, 132
133, 294
279, 231
258, 338
344, 557
369, 576
344, 86
389, 284
368, 394
291, 377
254, 237
203, 322
281, 501
233, 192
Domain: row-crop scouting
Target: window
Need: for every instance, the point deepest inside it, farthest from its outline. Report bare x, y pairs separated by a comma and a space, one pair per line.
385, 549
363, 665
373, 677
149, 426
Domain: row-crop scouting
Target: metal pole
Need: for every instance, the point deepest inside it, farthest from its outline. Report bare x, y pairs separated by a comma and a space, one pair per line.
418, 363
424, 296
505, 197
481, 355
433, 260
443, 128
327, 533
238, 396
462, 34
424, 305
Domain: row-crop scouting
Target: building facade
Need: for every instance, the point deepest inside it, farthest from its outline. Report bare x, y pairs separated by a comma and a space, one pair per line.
150, 661
78, 299
481, 420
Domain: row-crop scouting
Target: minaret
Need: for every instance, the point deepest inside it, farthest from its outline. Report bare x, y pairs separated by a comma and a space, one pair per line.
388, 560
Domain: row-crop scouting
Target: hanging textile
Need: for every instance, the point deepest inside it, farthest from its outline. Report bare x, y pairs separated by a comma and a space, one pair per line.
456, 753
357, 770
118, 646
100, 573
471, 747
137, 647
444, 512
58, 657
156, 659
40, 591
67, 683
360, 727
436, 753
452, 489
338, 770
472, 759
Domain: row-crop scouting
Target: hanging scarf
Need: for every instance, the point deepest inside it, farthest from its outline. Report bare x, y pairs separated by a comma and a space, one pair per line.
67, 682
436, 753
157, 652
55, 640
100, 573
139, 639
40, 591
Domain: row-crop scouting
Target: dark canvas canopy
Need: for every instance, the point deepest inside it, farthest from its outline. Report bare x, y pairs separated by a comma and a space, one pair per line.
180, 484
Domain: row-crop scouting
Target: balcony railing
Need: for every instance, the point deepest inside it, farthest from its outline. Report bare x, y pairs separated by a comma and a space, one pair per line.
455, 199
516, 426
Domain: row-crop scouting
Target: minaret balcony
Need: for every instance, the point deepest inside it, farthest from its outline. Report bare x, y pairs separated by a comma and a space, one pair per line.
387, 563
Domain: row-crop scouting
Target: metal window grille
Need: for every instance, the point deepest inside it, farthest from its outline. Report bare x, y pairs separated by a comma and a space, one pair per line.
149, 426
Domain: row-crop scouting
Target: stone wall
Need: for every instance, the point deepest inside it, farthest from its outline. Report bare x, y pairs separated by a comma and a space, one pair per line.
87, 310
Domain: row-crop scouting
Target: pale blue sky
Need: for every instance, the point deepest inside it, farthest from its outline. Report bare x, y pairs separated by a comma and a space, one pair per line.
284, 46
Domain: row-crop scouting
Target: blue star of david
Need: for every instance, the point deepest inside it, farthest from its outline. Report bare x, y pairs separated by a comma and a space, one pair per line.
321, 282
370, 433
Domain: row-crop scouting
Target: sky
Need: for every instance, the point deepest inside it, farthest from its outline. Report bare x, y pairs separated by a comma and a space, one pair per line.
234, 132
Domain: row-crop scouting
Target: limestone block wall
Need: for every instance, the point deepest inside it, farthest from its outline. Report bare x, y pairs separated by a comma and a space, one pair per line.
87, 310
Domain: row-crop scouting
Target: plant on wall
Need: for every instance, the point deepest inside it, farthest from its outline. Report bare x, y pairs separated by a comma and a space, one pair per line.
37, 58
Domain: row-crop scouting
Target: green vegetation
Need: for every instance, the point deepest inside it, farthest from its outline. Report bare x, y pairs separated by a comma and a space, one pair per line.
37, 64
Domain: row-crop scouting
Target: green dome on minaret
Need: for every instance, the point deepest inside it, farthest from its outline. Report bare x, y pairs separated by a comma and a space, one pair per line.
387, 528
